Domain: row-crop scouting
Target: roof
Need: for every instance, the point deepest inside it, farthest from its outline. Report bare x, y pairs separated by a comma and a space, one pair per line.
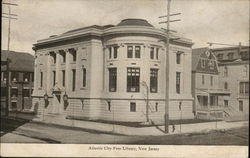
20, 61
88, 27
134, 22
195, 56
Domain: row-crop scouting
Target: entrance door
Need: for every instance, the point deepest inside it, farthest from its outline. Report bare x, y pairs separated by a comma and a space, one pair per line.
56, 103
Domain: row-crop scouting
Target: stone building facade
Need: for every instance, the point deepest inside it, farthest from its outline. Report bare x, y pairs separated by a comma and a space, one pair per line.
112, 73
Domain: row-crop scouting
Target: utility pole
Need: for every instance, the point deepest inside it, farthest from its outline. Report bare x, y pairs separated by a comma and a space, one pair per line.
167, 62
9, 17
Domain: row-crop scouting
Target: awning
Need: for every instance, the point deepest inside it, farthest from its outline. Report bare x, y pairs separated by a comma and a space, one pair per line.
205, 92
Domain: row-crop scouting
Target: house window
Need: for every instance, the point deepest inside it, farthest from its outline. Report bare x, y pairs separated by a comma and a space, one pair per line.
112, 79
115, 52
14, 92
245, 70
240, 105
26, 76
225, 85
54, 77
157, 53
211, 65
153, 80
152, 53
203, 80
156, 107
73, 79
4, 75
63, 78
226, 103
26, 93
74, 54
230, 56
132, 107
244, 88
14, 105
109, 106
178, 79
133, 79
225, 71
178, 58
84, 77
14, 76
110, 52
203, 63
220, 56
41, 79
137, 51
211, 80
130, 51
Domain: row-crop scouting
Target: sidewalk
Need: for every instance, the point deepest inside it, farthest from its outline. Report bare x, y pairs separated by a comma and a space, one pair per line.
153, 130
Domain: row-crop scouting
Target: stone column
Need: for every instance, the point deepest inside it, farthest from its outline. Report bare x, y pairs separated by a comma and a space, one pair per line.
58, 68
48, 80
67, 70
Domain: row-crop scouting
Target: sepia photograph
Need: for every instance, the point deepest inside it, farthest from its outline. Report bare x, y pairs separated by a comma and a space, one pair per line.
125, 78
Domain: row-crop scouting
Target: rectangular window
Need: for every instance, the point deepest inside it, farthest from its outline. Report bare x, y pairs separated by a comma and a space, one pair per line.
26, 76
225, 71
54, 77
203, 63
14, 92
63, 78
53, 55
240, 105
110, 52
157, 53
84, 77
130, 52
14, 76
112, 79
137, 51
152, 53
203, 79
132, 107
226, 103
244, 88
178, 82
26, 93
178, 58
230, 56
115, 52
133, 79
73, 79
211, 80
41, 79
220, 56
74, 54
153, 80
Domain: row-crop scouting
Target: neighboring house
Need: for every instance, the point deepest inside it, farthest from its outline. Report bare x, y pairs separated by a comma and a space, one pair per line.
234, 77
111, 73
205, 85
21, 80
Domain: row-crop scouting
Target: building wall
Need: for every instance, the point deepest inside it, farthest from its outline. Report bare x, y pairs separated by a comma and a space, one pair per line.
236, 74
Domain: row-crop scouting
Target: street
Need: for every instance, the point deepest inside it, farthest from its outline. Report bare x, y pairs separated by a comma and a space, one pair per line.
16, 131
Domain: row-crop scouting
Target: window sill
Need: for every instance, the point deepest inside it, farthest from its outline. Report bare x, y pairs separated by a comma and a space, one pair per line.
83, 88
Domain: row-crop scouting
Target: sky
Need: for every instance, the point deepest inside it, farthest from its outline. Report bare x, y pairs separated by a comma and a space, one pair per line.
202, 21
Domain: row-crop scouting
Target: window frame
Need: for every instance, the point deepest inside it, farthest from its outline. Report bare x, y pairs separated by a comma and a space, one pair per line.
63, 78
132, 106
129, 51
73, 80
152, 53
133, 79
178, 82
178, 58
154, 80
112, 79
137, 51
